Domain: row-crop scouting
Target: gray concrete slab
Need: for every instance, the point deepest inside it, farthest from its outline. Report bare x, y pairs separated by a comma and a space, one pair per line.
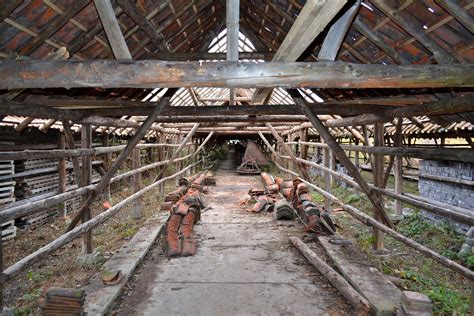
244, 265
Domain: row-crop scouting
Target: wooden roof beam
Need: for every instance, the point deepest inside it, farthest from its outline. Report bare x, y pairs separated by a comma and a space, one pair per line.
157, 74
458, 12
143, 23
112, 29
333, 41
311, 21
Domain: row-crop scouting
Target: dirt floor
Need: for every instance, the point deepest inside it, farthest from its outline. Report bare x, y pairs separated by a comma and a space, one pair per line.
62, 269
244, 265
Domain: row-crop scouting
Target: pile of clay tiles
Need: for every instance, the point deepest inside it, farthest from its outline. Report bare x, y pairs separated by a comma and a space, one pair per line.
185, 205
270, 200
60, 301
316, 218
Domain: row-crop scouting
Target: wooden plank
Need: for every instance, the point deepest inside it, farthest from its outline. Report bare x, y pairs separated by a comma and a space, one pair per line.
160, 74
337, 33
384, 297
112, 29
311, 21
193, 56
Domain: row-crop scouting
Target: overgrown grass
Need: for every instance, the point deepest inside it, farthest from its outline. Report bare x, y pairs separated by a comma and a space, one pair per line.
448, 290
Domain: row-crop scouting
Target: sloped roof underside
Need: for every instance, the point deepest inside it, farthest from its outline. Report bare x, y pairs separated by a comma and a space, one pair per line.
72, 29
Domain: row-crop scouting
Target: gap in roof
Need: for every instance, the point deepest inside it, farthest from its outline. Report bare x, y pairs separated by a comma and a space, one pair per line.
219, 43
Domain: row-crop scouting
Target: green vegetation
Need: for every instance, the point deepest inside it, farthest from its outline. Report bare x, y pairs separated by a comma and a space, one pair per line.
449, 291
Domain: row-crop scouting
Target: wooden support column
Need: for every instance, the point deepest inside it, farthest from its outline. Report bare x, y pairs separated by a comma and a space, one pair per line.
112, 29
75, 160
107, 163
86, 142
377, 172
161, 138
304, 148
327, 177
136, 184
178, 163
288, 151
332, 166
62, 175
374, 197
398, 170
232, 24
356, 156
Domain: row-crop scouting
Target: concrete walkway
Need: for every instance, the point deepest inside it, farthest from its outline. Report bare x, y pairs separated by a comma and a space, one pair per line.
244, 265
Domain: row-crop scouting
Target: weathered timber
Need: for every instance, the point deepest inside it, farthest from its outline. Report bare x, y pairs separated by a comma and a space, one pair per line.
203, 143
192, 56
458, 12
178, 150
311, 21
159, 74
141, 131
357, 301
270, 147
416, 30
337, 33
86, 177
288, 151
377, 173
112, 29
448, 106
374, 198
131, 9
367, 220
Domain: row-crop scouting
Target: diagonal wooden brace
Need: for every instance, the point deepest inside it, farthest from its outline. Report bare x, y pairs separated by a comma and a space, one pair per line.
104, 181
373, 196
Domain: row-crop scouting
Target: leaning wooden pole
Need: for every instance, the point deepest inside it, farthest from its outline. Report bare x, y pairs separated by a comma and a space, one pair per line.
288, 151
203, 143
275, 154
104, 181
178, 150
374, 197
357, 301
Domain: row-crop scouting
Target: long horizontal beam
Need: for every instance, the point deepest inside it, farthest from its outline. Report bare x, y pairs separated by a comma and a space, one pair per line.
207, 56
443, 107
156, 74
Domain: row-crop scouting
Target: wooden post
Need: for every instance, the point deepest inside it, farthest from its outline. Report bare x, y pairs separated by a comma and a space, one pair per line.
75, 160
327, 177
136, 181
356, 156
86, 142
378, 172
178, 163
62, 175
161, 138
332, 166
107, 162
304, 148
